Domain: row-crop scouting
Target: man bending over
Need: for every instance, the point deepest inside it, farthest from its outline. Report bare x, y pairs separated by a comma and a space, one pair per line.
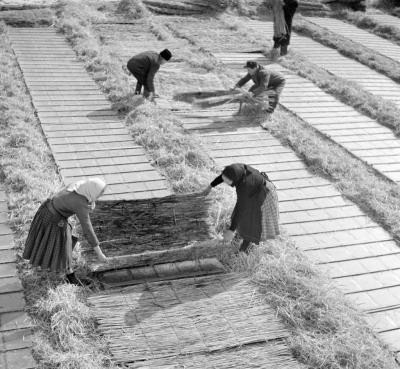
144, 67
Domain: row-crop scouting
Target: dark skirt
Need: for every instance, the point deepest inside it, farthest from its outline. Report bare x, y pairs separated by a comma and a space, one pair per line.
49, 243
260, 223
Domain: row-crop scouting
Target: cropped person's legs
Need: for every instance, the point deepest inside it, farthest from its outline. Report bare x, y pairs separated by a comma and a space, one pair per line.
146, 92
138, 89
289, 11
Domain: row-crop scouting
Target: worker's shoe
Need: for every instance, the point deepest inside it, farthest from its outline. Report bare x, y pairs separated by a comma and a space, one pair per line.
275, 53
284, 50
264, 123
72, 279
245, 247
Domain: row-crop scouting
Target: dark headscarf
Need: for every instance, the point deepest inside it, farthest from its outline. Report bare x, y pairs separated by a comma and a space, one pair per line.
245, 174
235, 172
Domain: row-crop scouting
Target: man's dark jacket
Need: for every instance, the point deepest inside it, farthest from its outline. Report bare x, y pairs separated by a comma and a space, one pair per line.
144, 66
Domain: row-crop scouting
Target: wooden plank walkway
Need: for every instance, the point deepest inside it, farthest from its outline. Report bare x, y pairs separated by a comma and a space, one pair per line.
338, 64
386, 19
369, 40
15, 327
86, 136
329, 228
360, 135
183, 346
194, 323
332, 230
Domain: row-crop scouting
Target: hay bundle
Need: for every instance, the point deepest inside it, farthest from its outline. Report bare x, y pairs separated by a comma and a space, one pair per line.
209, 99
133, 9
195, 96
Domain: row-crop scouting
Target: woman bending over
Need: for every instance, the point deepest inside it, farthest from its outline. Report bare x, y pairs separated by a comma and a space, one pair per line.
50, 242
256, 216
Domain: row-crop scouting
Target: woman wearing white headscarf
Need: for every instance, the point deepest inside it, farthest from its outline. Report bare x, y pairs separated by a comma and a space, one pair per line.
50, 242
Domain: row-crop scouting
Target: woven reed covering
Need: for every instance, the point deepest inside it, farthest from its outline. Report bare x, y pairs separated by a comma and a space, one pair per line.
129, 228
215, 321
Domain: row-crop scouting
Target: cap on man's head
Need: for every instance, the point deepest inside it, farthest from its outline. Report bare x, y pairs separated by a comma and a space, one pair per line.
251, 64
166, 54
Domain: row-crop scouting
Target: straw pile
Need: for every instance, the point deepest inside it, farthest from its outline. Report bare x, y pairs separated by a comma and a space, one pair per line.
126, 228
207, 321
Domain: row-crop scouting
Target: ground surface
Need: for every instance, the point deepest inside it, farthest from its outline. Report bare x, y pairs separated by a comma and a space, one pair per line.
86, 137
360, 256
15, 326
332, 230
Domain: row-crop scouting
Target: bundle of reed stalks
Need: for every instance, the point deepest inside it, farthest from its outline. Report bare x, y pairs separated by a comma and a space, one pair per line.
241, 96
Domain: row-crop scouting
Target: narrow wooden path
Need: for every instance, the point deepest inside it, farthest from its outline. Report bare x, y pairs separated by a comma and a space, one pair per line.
334, 62
182, 322
329, 228
357, 253
369, 40
332, 230
85, 135
15, 326
361, 257
386, 19
360, 135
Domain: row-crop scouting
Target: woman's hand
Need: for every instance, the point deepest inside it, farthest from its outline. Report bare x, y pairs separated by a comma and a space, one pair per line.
228, 236
102, 258
206, 191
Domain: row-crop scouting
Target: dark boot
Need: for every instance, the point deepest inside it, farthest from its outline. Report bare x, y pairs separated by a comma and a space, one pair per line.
274, 54
138, 89
72, 279
244, 247
284, 50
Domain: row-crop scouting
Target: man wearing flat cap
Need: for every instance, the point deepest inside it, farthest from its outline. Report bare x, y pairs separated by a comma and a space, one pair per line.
268, 84
144, 67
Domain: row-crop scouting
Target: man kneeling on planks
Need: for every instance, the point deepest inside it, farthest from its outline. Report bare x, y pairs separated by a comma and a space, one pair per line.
268, 84
144, 67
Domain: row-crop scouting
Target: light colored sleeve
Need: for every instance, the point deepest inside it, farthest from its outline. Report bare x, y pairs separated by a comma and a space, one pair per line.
83, 216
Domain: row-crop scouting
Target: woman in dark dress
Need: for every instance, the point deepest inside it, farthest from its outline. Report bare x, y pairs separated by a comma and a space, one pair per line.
256, 216
50, 242
283, 12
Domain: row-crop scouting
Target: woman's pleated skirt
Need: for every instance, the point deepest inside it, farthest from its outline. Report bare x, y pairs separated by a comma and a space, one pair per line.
270, 214
49, 242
